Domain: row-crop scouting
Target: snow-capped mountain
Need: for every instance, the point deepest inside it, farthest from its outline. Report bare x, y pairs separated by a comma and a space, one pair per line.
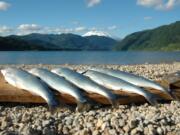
96, 33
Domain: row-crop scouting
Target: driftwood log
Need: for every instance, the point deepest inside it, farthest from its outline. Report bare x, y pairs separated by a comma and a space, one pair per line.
9, 93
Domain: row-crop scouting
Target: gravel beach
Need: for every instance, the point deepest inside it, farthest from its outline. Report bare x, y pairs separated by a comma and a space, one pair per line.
163, 119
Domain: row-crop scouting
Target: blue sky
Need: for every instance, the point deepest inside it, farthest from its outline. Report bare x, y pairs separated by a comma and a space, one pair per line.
116, 17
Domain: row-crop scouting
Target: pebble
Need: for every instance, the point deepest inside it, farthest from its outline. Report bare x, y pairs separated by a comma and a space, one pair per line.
123, 120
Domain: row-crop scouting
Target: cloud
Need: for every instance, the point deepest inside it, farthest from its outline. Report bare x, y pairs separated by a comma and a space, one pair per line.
113, 27
80, 29
159, 4
92, 3
148, 18
29, 28
4, 30
24, 29
4, 6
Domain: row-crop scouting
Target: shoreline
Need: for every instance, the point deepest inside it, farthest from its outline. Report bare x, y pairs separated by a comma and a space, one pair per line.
163, 119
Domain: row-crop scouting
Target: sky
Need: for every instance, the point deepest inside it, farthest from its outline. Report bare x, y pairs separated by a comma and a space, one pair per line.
116, 17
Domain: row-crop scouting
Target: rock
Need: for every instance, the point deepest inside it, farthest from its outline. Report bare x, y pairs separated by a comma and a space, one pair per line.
45, 123
65, 130
123, 120
26, 117
151, 130
60, 127
108, 117
99, 123
104, 125
112, 132
31, 131
121, 123
134, 131
146, 131
159, 131
68, 121
95, 132
126, 128
6, 122
48, 131
91, 113
84, 132
89, 125
133, 123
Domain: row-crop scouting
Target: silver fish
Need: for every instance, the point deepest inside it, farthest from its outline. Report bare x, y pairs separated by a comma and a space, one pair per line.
24, 80
60, 84
85, 83
115, 83
134, 79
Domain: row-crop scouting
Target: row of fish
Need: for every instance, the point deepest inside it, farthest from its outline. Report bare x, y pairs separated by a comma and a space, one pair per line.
96, 80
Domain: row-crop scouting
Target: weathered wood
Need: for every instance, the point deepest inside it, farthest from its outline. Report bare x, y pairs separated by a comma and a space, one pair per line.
9, 93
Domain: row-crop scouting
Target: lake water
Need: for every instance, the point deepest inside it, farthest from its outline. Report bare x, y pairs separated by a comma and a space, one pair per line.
85, 57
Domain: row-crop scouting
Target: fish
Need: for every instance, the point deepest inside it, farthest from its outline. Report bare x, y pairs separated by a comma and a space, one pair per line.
87, 84
135, 79
118, 84
26, 81
62, 85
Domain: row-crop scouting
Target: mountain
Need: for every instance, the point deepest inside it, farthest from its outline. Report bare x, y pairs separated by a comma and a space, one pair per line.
68, 41
56, 41
164, 38
101, 42
13, 44
96, 33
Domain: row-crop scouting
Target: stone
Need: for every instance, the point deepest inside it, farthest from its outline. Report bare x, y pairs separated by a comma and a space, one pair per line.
89, 125
99, 123
45, 123
121, 123
92, 113
48, 131
95, 132
65, 130
133, 123
126, 128
134, 131
159, 131
104, 125
112, 132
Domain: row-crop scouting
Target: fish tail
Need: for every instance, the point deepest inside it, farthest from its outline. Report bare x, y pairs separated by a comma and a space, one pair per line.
173, 95
115, 101
57, 106
152, 99
52, 108
83, 107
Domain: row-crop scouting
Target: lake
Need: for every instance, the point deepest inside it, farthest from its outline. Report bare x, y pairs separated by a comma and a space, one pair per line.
86, 57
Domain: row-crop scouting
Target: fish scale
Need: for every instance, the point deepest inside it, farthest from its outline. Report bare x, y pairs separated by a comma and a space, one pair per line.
60, 84
24, 80
136, 80
86, 84
117, 84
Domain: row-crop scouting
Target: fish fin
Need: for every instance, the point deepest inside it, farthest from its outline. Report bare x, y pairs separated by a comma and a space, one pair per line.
82, 107
52, 109
153, 99
115, 102
173, 95
59, 105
